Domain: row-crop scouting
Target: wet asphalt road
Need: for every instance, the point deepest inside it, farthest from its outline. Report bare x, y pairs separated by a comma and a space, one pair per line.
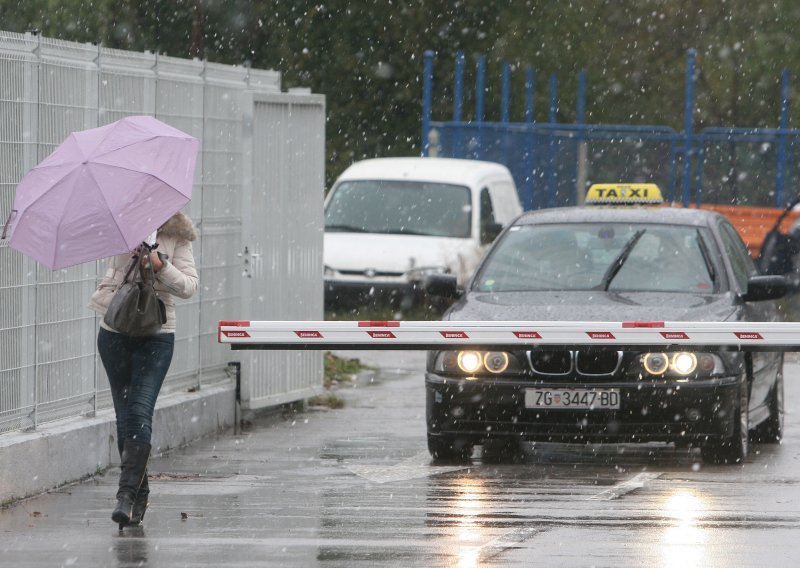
356, 487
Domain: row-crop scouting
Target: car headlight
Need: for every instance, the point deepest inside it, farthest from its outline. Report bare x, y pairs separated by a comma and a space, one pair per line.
473, 363
680, 365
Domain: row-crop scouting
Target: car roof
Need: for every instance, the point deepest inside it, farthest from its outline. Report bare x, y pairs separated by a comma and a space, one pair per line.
631, 214
444, 170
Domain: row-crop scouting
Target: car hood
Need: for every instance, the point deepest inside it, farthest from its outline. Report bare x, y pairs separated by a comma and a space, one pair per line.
398, 253
593, 306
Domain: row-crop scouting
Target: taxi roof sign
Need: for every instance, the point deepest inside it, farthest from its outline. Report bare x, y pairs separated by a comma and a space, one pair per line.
623, 194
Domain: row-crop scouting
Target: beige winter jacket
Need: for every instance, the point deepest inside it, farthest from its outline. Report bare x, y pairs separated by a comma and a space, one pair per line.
178, 277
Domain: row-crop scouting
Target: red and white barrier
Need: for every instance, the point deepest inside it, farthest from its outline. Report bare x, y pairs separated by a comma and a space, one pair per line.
411, 335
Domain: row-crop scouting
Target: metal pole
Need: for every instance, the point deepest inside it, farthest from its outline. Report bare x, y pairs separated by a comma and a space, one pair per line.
480, 77
427, 93
780, 174
688, 113
458, 87
551, 154
505, 93
530, 150
458, 96
582, 165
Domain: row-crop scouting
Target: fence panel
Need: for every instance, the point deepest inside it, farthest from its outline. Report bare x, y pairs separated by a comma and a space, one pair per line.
49, 368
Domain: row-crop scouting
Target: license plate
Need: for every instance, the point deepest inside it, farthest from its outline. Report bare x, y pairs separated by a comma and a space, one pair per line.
577, 399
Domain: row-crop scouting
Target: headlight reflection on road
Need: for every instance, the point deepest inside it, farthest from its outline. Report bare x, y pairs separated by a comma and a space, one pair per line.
684, 543
469, 504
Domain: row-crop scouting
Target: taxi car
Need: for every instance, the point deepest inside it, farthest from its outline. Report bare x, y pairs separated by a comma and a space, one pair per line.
609, 263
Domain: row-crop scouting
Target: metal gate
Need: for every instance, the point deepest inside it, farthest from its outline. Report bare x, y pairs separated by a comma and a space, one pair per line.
282, 238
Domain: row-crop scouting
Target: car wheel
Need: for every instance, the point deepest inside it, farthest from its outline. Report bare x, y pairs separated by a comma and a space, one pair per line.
503, 450
448, 448
734, 448
771, 430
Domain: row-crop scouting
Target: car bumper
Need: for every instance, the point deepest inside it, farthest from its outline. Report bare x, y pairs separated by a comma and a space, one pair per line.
339, 292
669, 412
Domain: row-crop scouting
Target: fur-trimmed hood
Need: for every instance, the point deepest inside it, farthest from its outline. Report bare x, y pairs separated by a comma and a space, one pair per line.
179, 227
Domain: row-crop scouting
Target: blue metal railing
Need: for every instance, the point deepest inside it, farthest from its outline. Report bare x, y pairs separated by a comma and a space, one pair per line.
545, 158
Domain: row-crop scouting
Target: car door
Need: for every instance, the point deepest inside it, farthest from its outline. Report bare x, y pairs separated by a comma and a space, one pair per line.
765, 365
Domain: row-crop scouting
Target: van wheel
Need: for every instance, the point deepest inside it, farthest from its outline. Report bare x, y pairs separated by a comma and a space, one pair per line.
449, 448
733, 449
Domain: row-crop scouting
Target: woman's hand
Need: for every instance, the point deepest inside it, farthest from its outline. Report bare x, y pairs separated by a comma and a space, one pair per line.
148, 258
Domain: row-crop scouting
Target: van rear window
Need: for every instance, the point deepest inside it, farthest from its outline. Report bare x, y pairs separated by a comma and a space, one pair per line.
400, 207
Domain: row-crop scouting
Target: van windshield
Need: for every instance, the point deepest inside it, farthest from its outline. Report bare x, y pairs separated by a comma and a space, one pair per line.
400, 207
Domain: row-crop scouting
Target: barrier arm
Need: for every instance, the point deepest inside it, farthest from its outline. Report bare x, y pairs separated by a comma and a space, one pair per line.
509, 335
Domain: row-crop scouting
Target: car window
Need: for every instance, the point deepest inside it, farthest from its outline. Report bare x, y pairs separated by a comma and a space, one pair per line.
487, 212
741, 261
663, 258
400, 207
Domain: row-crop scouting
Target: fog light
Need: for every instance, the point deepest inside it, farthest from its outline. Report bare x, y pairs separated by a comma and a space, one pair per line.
656, 363
469, 361
684, 363
496, 361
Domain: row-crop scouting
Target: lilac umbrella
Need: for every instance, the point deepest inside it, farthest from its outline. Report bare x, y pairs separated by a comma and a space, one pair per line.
102, 192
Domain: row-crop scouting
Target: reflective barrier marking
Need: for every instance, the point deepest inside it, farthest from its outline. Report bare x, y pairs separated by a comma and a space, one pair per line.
763, 336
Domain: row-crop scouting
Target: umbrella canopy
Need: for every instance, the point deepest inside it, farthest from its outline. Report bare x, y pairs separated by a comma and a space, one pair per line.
102, 191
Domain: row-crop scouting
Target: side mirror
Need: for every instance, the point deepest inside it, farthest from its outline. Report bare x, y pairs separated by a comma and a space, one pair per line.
444, 285
489, 232
760, 288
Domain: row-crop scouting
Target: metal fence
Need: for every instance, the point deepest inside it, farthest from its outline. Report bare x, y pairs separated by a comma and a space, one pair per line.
552, 162
49, 368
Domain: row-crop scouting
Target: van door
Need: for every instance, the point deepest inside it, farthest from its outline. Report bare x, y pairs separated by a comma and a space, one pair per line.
505, 199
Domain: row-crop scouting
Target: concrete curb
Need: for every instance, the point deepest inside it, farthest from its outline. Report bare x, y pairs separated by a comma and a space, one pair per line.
63, 452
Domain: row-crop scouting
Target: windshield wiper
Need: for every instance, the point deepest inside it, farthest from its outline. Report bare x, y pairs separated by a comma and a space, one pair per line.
712, 273
345, 228
617, 263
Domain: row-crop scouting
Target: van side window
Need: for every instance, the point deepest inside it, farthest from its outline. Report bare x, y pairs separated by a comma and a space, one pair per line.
487, 216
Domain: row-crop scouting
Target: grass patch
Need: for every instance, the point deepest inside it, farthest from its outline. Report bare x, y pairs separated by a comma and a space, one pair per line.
329, 400
340, 369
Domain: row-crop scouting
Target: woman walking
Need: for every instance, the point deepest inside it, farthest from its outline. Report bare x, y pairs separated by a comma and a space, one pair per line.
136, 366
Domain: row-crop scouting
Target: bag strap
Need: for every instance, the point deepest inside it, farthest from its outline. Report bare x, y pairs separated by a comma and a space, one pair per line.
150, 277
131, 266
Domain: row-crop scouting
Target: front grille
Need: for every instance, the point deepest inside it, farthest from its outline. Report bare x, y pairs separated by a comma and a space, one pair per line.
597, 363
551, 362
586, 363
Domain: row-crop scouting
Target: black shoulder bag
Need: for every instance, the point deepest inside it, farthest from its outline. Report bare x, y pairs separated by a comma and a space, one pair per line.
136, 309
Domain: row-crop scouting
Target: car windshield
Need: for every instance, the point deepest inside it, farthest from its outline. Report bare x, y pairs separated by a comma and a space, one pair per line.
400, 207
600, 256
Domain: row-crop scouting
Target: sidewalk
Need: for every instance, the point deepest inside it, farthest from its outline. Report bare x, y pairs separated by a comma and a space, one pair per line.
273, 496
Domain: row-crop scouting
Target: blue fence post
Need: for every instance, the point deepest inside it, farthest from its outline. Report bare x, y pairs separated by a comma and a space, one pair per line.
480, 81
581, 164
780, 174
427, 94
458, 101
505, 93
530, 150
505, 103
688, 113
551, 154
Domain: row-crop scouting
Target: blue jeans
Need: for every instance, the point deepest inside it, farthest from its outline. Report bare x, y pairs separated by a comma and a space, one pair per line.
136, 367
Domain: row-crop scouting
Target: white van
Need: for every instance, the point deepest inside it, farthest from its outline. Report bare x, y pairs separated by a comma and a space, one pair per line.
389, 222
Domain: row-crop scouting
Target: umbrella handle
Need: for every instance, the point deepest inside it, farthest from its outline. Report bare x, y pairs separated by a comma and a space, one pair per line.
8, 221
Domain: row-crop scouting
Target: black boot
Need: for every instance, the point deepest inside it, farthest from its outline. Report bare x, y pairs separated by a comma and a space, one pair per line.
141, 502
134, 465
